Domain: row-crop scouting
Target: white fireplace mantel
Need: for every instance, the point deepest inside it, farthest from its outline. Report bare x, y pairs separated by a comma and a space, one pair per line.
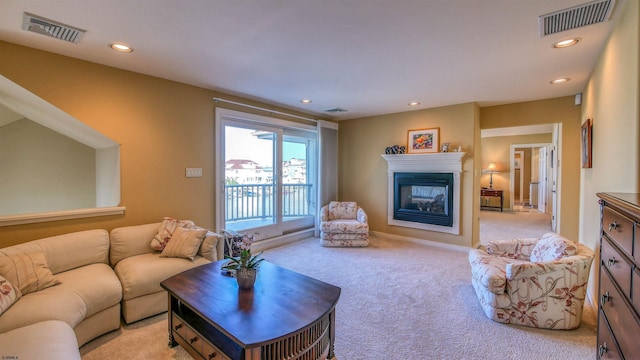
449, 162
436, 162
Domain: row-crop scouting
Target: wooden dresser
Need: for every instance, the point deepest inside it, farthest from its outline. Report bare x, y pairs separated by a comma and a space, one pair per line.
619, 290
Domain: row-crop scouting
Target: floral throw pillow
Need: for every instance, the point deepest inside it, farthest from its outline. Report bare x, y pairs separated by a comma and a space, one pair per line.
165, 231
552, 246
9, 294
342, 210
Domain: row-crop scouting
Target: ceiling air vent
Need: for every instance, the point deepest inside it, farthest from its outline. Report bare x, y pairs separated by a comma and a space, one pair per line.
336, 110
574, 17
54, 29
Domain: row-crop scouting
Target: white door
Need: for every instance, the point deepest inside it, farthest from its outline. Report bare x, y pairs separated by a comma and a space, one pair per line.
542, 180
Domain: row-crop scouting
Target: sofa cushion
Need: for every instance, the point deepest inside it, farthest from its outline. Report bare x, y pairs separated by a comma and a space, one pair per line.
45, 340
102, 292
165, 231
73, 250
344, 226
53, 303
9, 294
551, 247
342, 210
28, 271
209, 247
184, 243
142, 274
130, 241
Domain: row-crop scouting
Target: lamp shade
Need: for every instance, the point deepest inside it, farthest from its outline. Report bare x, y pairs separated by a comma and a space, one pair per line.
491, 169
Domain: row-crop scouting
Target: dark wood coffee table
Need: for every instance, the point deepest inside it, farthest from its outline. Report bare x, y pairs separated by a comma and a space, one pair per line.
286, 315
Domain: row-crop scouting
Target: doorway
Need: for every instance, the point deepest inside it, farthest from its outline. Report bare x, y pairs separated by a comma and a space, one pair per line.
496, 147
530, 176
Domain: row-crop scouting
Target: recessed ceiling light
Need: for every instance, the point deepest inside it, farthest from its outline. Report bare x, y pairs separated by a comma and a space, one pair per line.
414, 103
306, 101
560, 81
566, 43
122, 47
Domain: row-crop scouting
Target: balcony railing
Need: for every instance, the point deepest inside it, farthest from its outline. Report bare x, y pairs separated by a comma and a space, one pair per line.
256, 201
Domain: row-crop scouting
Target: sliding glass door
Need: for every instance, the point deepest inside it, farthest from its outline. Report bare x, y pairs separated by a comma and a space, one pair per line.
269, 173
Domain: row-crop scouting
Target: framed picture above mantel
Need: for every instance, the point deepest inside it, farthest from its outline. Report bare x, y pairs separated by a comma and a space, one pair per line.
423, 141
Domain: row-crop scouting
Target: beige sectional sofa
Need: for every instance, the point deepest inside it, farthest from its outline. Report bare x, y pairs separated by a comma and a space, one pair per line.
101, 279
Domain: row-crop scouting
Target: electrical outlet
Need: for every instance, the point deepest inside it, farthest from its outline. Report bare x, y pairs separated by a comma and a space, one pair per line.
193, 172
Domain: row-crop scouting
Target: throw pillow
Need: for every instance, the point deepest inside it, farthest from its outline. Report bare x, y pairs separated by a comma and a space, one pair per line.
184, 243
9, 294
27, 271
552, 246
165, 231
342, 210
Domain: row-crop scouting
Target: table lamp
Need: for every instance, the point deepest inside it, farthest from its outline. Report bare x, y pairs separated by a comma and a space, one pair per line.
491, 169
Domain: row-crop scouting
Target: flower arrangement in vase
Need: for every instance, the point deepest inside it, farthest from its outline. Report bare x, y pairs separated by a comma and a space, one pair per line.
245, 265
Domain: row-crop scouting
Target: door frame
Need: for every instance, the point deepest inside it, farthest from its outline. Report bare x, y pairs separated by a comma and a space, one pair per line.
512, 153
224, 116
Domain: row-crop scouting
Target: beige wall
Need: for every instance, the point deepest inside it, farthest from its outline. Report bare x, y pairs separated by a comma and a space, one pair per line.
496, 149
162, 127
611, 101
558, 110
363, 172
42, 170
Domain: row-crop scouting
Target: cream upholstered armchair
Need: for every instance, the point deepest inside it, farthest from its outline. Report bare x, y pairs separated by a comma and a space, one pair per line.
532, 282
343, 224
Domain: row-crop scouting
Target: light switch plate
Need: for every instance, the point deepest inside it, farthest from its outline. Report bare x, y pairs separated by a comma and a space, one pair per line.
193, 172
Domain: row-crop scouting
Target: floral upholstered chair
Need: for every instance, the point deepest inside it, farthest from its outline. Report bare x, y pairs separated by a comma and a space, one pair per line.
343, 224
532, 282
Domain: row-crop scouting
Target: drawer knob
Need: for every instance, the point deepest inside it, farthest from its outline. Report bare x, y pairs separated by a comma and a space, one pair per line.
193, 339
179, 326
212, 355
604, 298
614, 225
612, 261
602, 349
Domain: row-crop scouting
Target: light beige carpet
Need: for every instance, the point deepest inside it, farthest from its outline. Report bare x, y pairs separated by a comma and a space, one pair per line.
399, 300
495, 225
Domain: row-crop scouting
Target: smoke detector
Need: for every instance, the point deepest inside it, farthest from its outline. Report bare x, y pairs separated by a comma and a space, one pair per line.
589, 13
54, 29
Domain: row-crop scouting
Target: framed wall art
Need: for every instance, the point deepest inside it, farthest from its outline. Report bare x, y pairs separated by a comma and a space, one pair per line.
586, 143
423, 141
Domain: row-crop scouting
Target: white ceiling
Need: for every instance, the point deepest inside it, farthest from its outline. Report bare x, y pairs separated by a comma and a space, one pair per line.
370, 57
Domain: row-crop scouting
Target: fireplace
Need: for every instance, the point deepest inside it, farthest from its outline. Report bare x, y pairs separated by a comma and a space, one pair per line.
424, 191
424, 198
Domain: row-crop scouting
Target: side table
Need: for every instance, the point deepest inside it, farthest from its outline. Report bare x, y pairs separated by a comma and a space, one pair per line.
489, 193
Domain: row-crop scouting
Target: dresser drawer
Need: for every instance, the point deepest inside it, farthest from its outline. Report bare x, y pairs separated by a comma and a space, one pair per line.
619, 228
615, 262
622, 319
607, 347
635, 297
636, 244
194, 340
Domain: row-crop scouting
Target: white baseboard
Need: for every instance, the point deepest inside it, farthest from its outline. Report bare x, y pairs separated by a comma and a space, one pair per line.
309, 233
420, 241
